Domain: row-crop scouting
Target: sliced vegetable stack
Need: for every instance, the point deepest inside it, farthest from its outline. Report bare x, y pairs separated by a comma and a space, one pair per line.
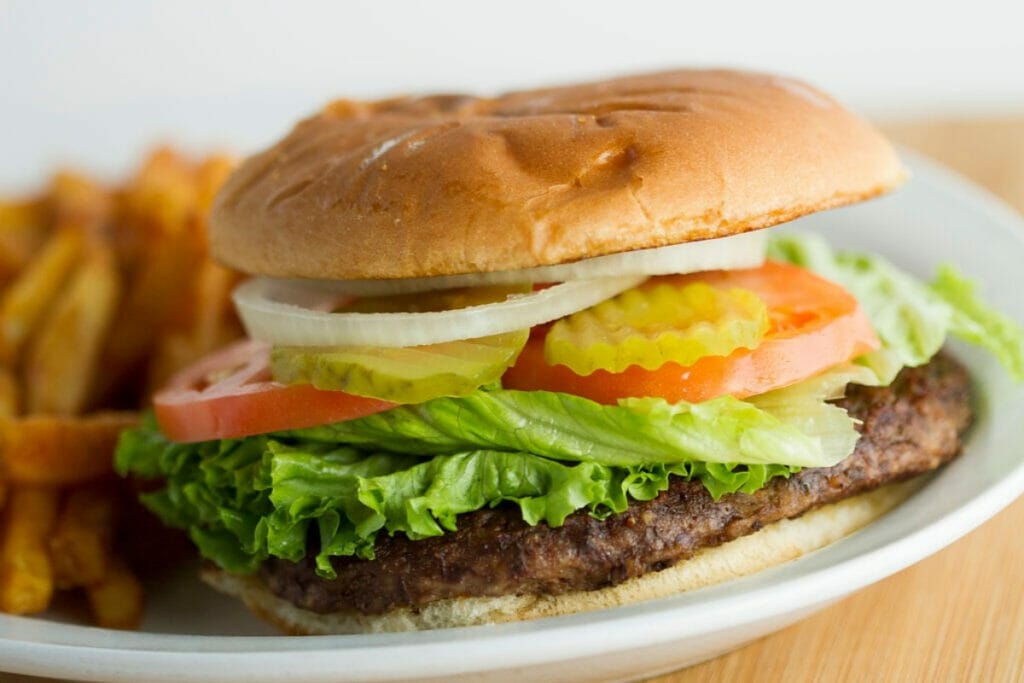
396, 406
810, 325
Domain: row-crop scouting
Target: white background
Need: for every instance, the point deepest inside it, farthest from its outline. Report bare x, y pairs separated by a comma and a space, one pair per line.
96, 83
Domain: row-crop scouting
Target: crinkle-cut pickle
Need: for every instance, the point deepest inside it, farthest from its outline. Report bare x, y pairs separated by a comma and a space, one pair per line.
407, 374
401, 374
657, 323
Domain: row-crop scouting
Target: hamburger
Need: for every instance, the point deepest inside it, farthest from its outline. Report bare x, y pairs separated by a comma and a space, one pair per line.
529, 355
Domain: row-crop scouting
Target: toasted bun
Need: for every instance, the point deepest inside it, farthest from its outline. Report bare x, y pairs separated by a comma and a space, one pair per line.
441, 185
775, 544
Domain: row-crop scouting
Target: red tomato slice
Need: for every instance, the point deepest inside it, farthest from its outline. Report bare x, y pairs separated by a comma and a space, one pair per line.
814, 325
230, 394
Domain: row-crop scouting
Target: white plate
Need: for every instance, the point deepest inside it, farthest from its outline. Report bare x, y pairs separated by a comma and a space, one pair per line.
191, 633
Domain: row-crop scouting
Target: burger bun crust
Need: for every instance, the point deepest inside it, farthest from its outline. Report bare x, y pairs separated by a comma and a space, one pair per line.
444, 184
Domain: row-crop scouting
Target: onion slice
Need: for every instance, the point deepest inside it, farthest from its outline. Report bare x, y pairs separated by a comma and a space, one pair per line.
746, 250
297, 313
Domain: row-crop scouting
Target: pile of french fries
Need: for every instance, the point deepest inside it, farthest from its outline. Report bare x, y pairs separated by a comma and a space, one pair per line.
104, 293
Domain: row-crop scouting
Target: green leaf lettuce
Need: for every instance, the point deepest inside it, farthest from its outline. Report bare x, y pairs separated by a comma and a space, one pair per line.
911, 318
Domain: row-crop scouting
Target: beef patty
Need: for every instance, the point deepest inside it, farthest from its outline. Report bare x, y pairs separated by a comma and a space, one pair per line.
910, 427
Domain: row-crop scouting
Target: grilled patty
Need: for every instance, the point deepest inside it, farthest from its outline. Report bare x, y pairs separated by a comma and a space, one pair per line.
910, 427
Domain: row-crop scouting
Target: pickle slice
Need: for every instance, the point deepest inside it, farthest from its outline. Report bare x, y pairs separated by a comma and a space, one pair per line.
655, 324
410, 374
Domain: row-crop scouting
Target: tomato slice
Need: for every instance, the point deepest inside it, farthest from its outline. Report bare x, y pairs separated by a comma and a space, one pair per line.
814, 324
230, 394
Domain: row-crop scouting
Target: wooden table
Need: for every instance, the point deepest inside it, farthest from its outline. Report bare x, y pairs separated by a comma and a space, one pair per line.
957, 616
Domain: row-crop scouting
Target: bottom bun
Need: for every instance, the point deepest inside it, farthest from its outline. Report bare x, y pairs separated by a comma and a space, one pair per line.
773, 545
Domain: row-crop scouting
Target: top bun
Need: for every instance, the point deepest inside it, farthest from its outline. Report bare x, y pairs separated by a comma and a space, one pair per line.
446, 184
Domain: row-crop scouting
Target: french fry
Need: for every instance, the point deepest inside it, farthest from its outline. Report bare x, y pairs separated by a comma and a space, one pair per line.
211, 174
213, 311
26, 574
81, 542
162, 196
75, 198
117, 600
164, 248
148, 301
28, 297
69, 343
22, 232
9, 394
62, 360
205, 323
60, 451
8, 409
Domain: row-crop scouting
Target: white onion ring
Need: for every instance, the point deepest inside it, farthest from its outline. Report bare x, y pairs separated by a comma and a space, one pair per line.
746, 250
296, 313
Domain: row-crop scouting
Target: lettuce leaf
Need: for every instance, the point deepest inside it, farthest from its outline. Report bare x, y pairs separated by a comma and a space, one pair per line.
574, 429
908, 317
911, 318
973, 321
804, 406
243, 501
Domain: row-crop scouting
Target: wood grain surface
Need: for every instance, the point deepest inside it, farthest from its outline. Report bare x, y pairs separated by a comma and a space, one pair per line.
959, 615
